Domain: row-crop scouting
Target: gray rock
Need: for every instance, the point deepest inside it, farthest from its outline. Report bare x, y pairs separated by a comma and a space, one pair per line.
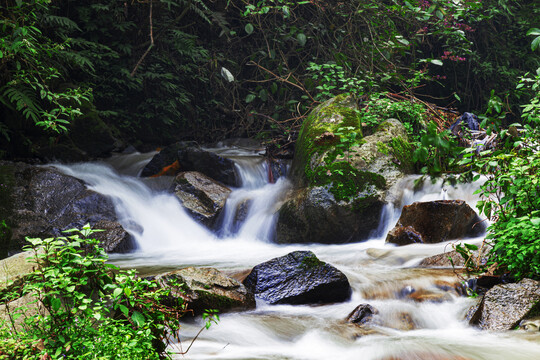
42, 202
202, 196
504, 306
207, 288
435, 221
298, 278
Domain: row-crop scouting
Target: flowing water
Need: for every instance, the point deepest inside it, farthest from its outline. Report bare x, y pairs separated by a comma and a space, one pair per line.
379, 274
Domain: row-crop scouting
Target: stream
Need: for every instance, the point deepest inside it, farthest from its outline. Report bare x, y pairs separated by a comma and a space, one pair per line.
168, 239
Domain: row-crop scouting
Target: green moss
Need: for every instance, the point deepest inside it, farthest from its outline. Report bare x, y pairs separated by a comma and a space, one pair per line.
214, 301
403, 151
324, 163
310, 262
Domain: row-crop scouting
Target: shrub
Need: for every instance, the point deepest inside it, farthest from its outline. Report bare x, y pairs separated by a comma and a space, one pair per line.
87, 309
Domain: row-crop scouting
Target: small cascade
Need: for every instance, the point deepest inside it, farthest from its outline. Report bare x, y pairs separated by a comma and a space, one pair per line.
250, 210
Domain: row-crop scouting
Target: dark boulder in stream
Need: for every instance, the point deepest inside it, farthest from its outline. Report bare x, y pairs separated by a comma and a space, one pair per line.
188, 156
504, 306
203, 197
298, 278
207, 288
435, 221
41, 202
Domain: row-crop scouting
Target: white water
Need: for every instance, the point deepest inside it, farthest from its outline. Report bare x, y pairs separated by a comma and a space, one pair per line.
168, 238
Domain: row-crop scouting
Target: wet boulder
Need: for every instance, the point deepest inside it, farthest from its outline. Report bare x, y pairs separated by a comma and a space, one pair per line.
203, 197
207, 288
340, 177
313, 215
42, 202
435, 221
504, 306
298, 278
188, 156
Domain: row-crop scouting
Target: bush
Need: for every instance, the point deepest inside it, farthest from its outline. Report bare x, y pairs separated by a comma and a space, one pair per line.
511, 194
87, 309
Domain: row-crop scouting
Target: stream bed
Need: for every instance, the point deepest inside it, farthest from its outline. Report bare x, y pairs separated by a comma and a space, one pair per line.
167, 239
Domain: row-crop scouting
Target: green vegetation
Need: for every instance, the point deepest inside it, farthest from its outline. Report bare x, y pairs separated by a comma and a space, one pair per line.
511, 194
162, 70
87, 309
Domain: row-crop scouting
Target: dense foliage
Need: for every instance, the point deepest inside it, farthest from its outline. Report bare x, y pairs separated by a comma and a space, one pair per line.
162, 70
512, 190
87, 309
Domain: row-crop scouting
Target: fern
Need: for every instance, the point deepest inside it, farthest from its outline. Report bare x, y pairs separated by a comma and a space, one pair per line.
23, 99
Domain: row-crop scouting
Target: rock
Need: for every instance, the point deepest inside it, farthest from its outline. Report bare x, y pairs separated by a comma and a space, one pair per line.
405, 235
115, 238
14, 268
277, 168
42, 202
454, 259
339, 189
362, 314
12, 275
207, 288
298, 278
504, 306
531, 325
312, 215
442, 260
402, 321
203, 197
429, 295
188, 156
435, 221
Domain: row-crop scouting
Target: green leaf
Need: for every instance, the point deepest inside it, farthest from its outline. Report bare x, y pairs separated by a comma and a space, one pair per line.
117, 292
534, 32
250, 98
56, 303
138, 318
436, 62
535, 43
249, 28
302, 39
535, 221
127, 291
124, 310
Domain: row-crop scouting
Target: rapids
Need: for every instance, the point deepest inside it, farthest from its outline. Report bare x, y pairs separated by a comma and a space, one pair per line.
167, 238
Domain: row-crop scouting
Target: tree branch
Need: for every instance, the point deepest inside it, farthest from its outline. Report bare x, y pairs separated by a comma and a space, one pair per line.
149, 47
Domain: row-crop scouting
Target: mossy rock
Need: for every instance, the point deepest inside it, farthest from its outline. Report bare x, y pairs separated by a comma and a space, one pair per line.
323, 129
341, 178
